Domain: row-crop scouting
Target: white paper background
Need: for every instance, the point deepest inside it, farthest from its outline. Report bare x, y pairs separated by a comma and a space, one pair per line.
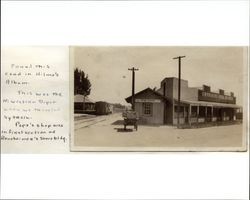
57, 58
126, 175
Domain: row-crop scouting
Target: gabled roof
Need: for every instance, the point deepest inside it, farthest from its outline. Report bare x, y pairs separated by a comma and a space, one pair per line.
129, 99
80, 99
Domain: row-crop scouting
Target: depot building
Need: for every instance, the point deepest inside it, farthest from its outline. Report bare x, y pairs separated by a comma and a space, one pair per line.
197, 105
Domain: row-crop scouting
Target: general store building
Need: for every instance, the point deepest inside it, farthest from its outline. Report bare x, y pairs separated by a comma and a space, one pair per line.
197, 105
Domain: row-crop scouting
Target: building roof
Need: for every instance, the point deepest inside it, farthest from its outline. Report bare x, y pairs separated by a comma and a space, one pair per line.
80, 99
129, 99
200, 103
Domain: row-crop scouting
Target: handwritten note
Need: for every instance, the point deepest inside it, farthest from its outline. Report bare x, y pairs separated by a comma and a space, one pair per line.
35, 99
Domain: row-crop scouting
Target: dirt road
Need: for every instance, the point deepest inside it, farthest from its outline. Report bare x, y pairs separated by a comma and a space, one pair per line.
107, 131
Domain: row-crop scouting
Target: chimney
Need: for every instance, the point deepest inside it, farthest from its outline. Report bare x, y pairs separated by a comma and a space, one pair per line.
231, 94
206, 88
221, 91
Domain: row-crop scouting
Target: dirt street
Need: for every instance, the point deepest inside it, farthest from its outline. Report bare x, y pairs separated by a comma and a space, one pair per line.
107, 131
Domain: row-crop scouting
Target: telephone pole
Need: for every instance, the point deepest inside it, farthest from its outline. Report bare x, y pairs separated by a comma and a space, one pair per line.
133, 86
179, 89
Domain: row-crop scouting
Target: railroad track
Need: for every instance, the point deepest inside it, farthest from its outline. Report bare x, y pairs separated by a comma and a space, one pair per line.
84, 123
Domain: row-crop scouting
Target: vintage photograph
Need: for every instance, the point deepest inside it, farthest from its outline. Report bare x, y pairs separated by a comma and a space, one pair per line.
156, 98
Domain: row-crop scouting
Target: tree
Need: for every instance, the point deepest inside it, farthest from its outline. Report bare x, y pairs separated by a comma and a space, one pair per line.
82, 83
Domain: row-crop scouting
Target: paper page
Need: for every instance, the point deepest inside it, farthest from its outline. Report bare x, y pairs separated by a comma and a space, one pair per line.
35, 100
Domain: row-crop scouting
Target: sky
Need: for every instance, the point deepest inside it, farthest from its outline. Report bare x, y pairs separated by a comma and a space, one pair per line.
107, 68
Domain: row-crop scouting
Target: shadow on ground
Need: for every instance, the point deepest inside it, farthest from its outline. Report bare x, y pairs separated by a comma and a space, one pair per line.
184, 126
121, 122
124, 130
118, 122
209, 124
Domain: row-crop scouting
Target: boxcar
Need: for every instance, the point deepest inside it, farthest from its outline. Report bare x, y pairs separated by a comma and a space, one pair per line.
103, 108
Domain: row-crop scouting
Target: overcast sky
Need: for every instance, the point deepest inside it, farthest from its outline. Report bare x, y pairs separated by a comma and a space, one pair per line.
107, 68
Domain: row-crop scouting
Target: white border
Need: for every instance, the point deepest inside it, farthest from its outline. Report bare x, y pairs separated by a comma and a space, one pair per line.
126, 175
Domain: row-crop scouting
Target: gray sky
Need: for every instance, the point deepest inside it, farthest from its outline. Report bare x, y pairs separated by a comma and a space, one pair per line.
107, 67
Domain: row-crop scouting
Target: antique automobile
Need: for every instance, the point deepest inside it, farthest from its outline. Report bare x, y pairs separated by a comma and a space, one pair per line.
130, 119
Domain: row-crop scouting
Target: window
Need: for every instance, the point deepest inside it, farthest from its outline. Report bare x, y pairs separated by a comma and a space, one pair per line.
202, 111
193, 111
181, 114
147, 108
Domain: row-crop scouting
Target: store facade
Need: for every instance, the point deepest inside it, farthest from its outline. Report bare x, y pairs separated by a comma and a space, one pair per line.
197, 105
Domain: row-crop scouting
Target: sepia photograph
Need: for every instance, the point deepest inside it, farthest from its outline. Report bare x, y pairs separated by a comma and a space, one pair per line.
158, 98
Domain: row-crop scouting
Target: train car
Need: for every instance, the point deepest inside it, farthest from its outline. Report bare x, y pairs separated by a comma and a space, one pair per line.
103, 108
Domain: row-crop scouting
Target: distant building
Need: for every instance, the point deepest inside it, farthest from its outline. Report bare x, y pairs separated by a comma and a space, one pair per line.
83, 104
197, 105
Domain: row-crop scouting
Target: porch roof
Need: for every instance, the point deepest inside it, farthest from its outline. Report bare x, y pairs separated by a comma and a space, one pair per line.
211, 104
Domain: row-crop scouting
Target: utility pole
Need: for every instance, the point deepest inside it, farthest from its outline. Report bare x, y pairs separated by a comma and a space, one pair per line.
179, 89
133, 86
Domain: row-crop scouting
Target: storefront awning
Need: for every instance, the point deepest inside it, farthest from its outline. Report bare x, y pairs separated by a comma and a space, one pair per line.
213, 104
